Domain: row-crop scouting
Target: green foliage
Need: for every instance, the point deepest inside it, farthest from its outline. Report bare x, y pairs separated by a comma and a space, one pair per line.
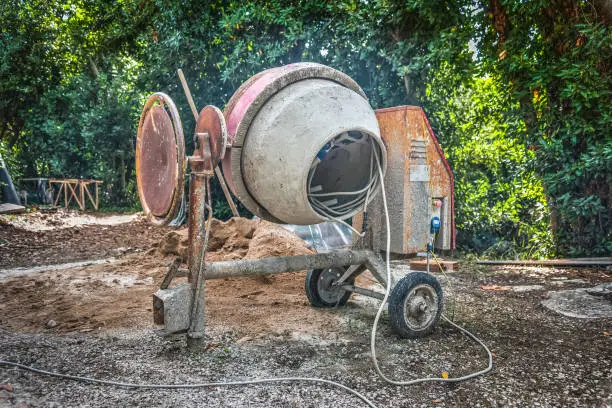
63, 113
500, 204
90, 135
556, 57
522, 113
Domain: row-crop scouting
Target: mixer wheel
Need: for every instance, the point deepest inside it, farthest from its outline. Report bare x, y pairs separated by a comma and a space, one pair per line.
415, 305
320, 290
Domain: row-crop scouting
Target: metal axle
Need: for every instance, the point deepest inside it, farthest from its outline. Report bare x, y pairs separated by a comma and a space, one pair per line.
364, 292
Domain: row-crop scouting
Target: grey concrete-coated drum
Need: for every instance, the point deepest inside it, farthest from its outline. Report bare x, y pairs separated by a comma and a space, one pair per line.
311, 150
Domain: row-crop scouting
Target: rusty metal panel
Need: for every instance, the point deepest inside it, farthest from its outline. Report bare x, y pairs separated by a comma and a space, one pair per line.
393, 125
417, 195
417, 173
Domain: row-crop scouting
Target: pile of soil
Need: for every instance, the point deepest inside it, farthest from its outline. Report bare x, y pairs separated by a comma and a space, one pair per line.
227, 240
238, 238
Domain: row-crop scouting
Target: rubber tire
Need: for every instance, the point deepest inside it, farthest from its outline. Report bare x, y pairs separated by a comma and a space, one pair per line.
396, 304
312, 291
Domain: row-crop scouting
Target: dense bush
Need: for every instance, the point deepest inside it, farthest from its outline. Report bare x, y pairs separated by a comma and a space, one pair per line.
500, 203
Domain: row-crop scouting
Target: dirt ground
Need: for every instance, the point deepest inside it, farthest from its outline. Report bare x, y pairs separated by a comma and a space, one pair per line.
47, 238
96, 320
117, 293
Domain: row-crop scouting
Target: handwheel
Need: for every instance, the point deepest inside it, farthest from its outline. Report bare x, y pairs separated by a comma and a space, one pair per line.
160, 159
320, 290
415, 305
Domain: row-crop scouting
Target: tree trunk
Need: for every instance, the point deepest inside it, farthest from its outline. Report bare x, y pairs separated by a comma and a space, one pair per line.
93, 67
15, 132
123, 178
410, 97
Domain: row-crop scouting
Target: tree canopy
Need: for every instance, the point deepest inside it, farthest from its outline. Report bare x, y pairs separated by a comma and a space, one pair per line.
518, 93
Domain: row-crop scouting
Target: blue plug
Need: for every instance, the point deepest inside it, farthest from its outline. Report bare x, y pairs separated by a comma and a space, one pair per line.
435, 225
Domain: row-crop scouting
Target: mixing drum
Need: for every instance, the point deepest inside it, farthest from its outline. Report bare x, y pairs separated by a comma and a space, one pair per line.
305, 145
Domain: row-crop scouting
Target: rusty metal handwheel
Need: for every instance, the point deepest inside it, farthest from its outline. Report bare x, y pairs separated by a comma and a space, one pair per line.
160, 159
211, 149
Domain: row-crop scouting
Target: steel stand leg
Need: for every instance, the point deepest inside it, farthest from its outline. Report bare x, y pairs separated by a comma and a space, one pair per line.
197, 226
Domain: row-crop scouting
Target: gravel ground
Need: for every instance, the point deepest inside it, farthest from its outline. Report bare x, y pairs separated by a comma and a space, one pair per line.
541, 358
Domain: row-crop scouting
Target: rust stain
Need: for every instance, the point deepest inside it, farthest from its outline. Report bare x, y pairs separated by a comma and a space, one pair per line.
210, 149
158, 168
410, 141
160, 159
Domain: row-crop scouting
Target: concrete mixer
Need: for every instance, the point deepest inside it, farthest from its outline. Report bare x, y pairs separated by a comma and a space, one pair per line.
300, 144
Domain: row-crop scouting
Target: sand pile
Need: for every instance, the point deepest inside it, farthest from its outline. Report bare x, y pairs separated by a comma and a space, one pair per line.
238, 238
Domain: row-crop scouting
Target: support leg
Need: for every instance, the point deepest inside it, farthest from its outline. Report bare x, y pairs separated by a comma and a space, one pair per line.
197, 227
352, 272
378, 268
96, 196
